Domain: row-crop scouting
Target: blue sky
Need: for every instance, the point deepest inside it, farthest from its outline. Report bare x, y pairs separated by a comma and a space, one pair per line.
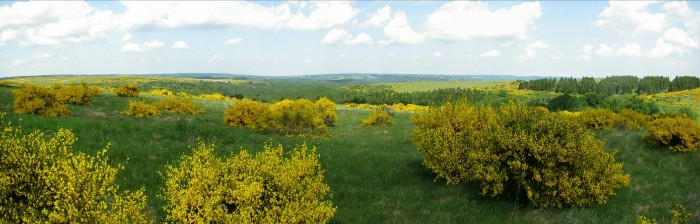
549, 38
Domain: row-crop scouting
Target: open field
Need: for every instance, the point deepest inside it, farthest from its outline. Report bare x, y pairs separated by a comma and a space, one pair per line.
375, 174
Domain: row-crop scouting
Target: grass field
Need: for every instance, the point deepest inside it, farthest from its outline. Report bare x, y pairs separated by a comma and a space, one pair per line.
427, 86
375, 174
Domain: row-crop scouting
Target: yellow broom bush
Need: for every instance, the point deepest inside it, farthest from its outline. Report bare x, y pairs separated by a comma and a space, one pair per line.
381, 116
141, 109
178, 105
128, 90
680, 134
552, 160
77, 94
33, 99
244, 188
43, 181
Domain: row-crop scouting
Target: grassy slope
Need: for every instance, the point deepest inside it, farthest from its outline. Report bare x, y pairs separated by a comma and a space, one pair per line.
375, 174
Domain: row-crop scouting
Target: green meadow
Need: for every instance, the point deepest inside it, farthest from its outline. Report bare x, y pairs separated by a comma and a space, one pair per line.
375, 174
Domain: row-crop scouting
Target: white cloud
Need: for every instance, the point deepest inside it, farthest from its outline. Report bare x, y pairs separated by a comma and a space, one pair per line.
180, 45
437, 54
308, 61
18, 61
586, 51
41, 55
398, 30
234, 41
362, 38
606, 50
335, 36
146, 46
50, 23
530, 50
214, 58
621, 14
342, 36
491, 54
322, 15
674, 42
630, 50
679, 11
379, 19
127, 37
464, 20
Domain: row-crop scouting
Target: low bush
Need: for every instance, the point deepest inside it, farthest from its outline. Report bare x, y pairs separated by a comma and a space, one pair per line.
552, 160
632, 119
43, 181
600, 119
179, 106
141, 109
326, 109
247, 113
77, 94
289, 117
128, 90
382, 116
161, 92
680, 134
33, 99
244, 188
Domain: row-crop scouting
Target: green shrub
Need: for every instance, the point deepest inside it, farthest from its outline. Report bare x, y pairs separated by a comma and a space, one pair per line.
128, 90
382, 116
179, 106
77, 94
33, 99
680, 134
141, 109
43, 181
245, 188
552, 160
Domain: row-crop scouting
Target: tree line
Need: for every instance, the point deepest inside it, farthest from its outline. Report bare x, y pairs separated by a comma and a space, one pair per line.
612, 84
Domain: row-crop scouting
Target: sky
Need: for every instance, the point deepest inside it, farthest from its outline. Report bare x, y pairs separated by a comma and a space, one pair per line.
548, 38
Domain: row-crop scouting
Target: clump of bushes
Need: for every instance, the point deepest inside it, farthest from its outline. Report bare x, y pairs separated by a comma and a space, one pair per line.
552, 160
680, 134
244, 188
290, 117
141, 109
178, 106
33, 99
43, 181
599, 119
128, 90
77, 94
161, 92
382, 116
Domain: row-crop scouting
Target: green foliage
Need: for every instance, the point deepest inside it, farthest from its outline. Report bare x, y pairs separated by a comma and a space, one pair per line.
33, 99
653, 85
247, 113
587, 85
539, 84
179, 105
43, 181
567, 85
382, 116
680, 216
264, 188
128, 90
566, 102
618, 85
680, 134
633, 119
77, 94
684, 82
599, 119
552, 160
141, 109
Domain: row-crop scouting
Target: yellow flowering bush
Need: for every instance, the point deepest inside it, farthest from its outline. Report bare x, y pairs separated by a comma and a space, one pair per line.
141, 109
680, 216
326, 109
43, 181
33, 99
599, 119
161, 92
247, 113
552, 160
289, 117
633, 119
77, 94
178, 105
244, 188
128, 90
379, 117
680, 134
